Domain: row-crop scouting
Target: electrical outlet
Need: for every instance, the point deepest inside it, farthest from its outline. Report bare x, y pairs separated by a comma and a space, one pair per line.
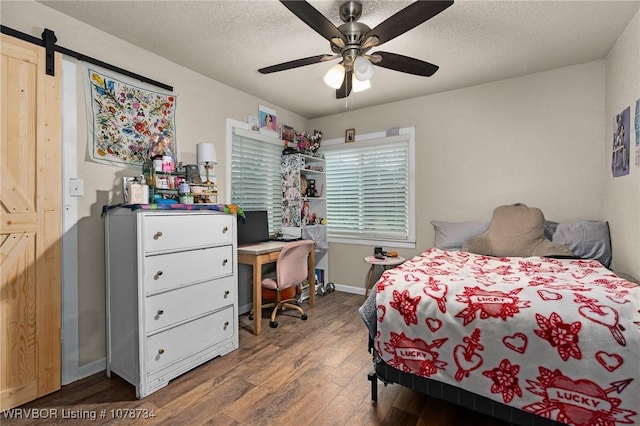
76, 187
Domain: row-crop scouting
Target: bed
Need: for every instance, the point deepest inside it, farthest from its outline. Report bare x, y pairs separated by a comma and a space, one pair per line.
532, 340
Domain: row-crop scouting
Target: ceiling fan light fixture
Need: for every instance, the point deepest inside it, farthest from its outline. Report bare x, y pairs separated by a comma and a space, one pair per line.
359, 86
335, 76
362, 68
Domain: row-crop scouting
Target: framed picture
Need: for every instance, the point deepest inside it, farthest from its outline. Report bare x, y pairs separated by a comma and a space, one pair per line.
193, 173
126, 181
350, 135
268, 121
254, 123
393, 131
288, 133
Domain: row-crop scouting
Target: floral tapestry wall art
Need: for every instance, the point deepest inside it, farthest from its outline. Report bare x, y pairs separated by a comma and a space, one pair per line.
123, 118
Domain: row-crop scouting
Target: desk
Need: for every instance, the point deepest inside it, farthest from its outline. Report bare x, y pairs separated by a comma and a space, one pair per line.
384, 263
260, 254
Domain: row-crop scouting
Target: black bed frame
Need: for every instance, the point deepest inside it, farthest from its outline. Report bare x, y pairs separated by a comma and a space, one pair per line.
390, 375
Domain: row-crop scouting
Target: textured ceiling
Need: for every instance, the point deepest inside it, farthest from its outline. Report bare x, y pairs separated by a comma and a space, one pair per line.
473, 42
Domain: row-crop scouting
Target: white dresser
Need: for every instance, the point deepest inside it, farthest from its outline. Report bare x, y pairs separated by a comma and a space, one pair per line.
171, 293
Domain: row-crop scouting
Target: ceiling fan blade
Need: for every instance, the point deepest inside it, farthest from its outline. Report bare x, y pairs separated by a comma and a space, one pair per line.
316, 20
345, 89
402, 63
408, 18
297, 63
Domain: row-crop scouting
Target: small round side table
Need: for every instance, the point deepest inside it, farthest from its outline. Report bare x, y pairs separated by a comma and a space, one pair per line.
386, 263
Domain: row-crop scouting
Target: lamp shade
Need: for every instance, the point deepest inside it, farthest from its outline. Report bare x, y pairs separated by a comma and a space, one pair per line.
206, 153
335, 76
359, 86
362, 68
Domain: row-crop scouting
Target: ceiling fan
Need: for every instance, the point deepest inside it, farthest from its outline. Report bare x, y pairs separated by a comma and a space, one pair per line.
352, 40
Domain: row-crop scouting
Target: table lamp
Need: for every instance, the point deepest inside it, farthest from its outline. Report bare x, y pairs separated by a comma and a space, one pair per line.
207, 156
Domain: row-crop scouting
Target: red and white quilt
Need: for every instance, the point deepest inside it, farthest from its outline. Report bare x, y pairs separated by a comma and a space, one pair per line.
559, 338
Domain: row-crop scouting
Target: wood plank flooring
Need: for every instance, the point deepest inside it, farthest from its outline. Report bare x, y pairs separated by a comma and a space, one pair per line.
310, 372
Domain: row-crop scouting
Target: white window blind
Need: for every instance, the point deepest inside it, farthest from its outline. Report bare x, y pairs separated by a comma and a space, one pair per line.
368, 189
255, 175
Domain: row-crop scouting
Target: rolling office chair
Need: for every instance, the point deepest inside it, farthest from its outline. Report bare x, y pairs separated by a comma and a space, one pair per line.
292, 268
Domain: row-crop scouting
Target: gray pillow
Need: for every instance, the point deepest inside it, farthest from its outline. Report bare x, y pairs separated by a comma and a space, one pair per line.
550, 229
586, 240
451, 235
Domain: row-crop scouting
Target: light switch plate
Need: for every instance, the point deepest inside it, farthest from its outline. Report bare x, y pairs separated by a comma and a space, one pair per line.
76, 187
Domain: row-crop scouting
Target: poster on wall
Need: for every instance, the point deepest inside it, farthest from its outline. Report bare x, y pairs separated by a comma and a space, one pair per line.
124, 119
268, 121
621, 146
637, 124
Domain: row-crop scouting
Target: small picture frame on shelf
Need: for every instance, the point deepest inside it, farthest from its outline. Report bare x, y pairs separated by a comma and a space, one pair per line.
349, 135
193, 173
254, 123
126, 181
288, 133
393, 131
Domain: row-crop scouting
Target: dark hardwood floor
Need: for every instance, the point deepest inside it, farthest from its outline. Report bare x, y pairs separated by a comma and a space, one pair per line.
310, 372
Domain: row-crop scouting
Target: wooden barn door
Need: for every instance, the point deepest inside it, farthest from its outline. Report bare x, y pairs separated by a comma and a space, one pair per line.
30, 224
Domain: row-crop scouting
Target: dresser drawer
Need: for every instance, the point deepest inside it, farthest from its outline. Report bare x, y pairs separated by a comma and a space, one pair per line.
165, 309
161, 233
167, 271
178, 342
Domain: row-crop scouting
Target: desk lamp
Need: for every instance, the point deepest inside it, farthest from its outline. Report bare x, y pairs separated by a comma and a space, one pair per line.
207, 156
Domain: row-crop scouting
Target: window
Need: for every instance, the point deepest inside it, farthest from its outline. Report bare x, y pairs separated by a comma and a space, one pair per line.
255, 174
370, 189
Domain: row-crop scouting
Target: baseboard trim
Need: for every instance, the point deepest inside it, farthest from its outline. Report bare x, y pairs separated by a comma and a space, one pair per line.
243, 309
91, 368
349, 289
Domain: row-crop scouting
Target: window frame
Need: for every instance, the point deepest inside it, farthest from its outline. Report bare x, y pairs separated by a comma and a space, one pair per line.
405, 134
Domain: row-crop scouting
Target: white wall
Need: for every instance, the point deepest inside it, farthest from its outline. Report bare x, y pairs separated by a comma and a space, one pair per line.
536, 139
202, 108
622, 194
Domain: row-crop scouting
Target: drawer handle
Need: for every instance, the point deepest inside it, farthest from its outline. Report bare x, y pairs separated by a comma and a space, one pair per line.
226, 324
160, 351
225, 261
160, 312
225, 229
158, 274
157, 235
226, 293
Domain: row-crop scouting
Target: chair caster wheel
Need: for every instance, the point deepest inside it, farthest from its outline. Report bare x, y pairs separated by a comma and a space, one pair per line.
303, 317
273, 324
331, 287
